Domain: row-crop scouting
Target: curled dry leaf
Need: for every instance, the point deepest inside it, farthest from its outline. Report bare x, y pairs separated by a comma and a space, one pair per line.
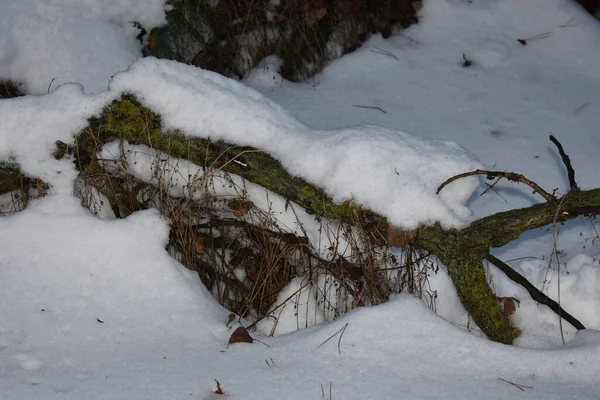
240, 335
315, 16
509, 305
230, 319
218, 390
240, 207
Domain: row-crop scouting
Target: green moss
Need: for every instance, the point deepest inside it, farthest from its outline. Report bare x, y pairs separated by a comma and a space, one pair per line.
462, 254
12, 179
127, 119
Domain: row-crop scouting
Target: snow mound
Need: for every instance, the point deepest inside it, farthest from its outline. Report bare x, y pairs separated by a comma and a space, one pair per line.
388, 171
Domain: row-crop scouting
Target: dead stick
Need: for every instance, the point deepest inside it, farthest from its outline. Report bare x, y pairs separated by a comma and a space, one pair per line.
511, 176
533, 291
518, 386
567, 161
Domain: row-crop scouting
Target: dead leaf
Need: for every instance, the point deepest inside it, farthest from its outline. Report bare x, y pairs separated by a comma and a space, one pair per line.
240, 335
199, 244
240, 207
314, 16
230, 319
399, 238
219, 390
509, 305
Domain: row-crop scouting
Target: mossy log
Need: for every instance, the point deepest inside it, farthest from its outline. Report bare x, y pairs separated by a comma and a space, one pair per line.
127, 119
461, 250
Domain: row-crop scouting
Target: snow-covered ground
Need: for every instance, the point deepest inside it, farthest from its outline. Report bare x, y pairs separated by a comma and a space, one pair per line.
96, 309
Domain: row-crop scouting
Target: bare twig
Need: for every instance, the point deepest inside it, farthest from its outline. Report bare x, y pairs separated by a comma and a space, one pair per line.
299, 290
50, 84
384, 52
491, 187
533, 291
555, 252
567, 161
342, 330
494, 190
535, 37
518, 386
568, 24
511, 176
370, 108
330, 391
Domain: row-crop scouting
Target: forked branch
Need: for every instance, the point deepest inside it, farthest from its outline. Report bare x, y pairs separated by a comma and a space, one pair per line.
511, 176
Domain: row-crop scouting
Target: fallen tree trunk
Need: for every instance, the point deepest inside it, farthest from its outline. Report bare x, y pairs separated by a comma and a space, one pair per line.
462, 251
127, 119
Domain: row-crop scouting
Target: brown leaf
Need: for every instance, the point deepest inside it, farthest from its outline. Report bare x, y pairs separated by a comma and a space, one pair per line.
240, 335
219, 390
399, 238
199, 244
230, 319
314, 16
509, 305
240, 207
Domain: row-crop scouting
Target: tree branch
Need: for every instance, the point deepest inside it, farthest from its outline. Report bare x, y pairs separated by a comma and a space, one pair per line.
567, 161
533, 291
511, 176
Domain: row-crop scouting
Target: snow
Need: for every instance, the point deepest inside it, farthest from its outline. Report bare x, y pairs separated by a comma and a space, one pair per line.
96, 308
502, 108
46, 43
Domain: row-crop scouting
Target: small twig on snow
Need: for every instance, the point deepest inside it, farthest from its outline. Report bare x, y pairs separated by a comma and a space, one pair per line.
534, 37
342, 330
568, 24
518, 386
384, 52
50, 84
370, 108
567, 161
